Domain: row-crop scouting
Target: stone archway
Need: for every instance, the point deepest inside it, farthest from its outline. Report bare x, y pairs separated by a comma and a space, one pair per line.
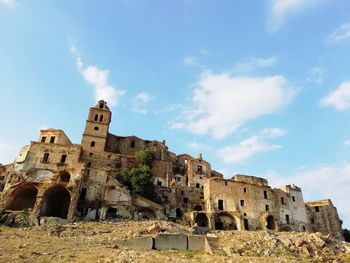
225, 221
56, 201
23, 197
201, 220
270, 222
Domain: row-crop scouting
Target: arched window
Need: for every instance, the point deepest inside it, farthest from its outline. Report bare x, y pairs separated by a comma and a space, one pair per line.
92, 144
101, 118
96, 117
96, 128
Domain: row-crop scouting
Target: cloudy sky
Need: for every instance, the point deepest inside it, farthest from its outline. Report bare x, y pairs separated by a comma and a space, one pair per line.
259, 87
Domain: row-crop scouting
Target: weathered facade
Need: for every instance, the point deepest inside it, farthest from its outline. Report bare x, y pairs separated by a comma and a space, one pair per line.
54, 177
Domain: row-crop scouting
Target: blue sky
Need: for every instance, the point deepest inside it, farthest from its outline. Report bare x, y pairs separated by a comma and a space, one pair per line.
260, 87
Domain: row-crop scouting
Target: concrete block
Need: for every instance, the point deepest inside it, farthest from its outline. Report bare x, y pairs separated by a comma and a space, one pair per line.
196, 243
138, 243
171, 241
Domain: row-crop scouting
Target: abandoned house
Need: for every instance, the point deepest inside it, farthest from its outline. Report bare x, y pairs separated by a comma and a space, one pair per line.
54, 177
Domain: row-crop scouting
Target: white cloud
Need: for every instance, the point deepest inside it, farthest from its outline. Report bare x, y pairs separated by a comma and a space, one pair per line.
341, 34
327, 181
316, 75
8, 153
190, 61
339, 98
141, 102
281, 10
346, 143
98, 78
9, 3
196, 146
222, 103
252, 63
247, 148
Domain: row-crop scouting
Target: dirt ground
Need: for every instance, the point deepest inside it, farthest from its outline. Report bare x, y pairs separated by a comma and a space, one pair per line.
97, 242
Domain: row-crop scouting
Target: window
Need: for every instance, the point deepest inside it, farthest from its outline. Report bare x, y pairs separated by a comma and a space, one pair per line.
2, 177
96, 128
244, 190
101, 118
45, 158
182, 192
178, 179
199, 169
317, 209
242, 202
282, 200
101, 105
82, 194
221, 204
91, 154
96, 117
198, 186
265, 194
63, 158
267, 208
245, 214
88, 164
185, 200
225, 183
132, 144
287, 219
43, 139
92, 144
312, 221
293, 198
159, 183
52, 139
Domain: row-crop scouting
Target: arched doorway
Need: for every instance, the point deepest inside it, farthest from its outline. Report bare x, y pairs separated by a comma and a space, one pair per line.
23, 197
56, 201
225, 221
202, 220
270, 223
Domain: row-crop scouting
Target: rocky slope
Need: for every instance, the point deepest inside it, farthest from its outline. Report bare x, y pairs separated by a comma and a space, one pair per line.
57, 241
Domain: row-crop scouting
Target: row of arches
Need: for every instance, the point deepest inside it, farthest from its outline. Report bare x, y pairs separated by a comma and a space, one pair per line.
55, 202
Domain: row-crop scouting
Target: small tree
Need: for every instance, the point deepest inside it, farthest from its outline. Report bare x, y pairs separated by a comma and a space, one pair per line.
144, 157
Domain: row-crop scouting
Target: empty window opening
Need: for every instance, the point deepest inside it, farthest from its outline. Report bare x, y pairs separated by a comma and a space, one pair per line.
132, 144
312, 220
82, 194
43, 139
244, 190
287, 219
91, 154
265, 194
199, 169
96, 128
182, 192
267, 208
221, 204
293, 198
185, 200
88, 164
178, 213
96, 117
52, 139
63, 158
282, 200
101, 105
45, 158
242, 202
198, 185
92, 144
317, 209
65, 177
101, 118
245, 214
159, 183
178, 179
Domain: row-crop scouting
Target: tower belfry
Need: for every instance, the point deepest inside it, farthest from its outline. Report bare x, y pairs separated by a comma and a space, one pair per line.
96, 128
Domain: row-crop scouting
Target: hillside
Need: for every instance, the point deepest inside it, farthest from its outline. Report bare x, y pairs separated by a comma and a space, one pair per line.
100, 242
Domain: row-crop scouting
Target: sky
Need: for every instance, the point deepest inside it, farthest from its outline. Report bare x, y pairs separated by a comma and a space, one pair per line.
259, 87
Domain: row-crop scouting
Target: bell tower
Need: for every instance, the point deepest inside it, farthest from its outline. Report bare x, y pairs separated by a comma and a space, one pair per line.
96, 128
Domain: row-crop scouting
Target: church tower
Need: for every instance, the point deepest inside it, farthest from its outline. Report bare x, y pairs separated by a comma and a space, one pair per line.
96, 128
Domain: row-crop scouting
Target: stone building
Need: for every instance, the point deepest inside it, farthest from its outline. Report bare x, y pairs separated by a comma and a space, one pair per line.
54, 177
324, 217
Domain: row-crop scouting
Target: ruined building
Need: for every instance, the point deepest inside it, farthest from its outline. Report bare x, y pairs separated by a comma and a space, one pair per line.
54, 177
